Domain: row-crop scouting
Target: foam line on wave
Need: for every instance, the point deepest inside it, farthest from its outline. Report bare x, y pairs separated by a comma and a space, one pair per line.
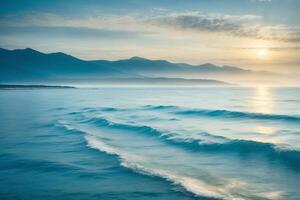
241, 147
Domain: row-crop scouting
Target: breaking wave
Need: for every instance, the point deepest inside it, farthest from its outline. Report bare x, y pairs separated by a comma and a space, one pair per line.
241, 147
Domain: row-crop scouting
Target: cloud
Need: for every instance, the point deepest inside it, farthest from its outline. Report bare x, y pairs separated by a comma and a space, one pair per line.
53, 20
249, 26
241, 26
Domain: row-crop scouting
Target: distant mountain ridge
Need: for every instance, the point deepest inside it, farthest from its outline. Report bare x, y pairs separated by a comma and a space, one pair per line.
23, 64
229, 74
29, 65
143, 65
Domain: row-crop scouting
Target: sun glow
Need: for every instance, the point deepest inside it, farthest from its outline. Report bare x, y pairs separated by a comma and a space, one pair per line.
263, 53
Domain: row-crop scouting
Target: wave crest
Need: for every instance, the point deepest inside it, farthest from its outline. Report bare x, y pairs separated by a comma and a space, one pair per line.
241, 147
224, 113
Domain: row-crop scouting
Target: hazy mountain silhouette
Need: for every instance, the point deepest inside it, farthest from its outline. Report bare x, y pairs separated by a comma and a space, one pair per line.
142, 65
148, 67
28, 65
163, 68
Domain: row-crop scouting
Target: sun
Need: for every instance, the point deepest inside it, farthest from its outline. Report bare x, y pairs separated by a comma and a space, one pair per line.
263, 53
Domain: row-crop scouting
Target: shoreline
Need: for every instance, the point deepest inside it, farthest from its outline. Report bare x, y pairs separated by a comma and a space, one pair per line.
12, 87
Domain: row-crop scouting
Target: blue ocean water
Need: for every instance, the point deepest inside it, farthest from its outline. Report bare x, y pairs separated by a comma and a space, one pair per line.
150, 143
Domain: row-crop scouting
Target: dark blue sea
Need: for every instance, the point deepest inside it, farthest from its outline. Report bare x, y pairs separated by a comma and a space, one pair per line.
150, 143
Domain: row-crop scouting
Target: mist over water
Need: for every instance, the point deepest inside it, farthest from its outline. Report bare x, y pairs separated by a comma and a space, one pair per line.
150, 143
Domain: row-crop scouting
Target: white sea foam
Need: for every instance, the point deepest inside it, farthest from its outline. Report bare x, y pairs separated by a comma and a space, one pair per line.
195, 186
191, 184
65, 125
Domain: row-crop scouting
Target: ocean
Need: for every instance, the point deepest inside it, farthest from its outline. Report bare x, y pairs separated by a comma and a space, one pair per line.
150, 143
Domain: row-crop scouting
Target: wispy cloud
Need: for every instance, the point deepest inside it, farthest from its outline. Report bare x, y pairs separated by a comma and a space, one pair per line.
241, 26
237, 26
53, 20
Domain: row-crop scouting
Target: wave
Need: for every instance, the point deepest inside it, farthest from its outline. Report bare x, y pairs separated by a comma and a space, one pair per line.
159, 107
197, 187
68, 127
57, 109
240, 147
194, 186
225, 113
110, 109
144, 129
246, 148
240, 115
105, 109
89, 109
203, 113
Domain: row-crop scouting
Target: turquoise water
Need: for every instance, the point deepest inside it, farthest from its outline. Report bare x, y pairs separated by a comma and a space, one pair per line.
155, 143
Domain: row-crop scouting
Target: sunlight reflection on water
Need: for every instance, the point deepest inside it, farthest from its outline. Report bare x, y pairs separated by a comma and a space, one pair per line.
262, 100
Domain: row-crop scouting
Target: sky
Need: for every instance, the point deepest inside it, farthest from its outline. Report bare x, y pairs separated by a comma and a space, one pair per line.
252, 34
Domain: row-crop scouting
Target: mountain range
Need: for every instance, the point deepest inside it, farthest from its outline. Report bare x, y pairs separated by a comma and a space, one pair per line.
31, 66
